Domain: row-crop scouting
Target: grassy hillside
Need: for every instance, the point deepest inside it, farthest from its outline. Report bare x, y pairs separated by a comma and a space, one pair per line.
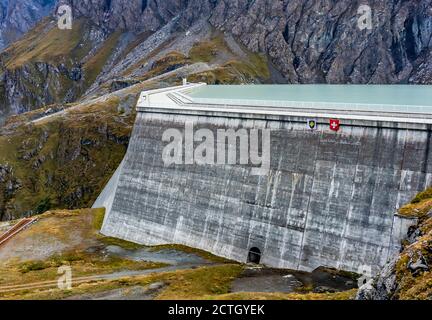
65, 161
49, 65
46, 43
416, 283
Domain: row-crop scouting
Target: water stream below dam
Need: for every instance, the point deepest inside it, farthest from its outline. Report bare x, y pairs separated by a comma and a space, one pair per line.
254, 279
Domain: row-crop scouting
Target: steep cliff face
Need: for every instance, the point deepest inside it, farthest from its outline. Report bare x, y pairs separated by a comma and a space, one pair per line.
319, 41
309, 41
137, 15
19, 16
141, 15
409, 275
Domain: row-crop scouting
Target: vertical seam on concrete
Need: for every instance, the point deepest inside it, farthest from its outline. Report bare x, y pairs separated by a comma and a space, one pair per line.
309, 202
347, 219
399, 191
401, 165
378, 168
403, 157
426, 160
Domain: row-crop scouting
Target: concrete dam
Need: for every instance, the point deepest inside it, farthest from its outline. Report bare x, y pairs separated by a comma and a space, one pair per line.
339, 170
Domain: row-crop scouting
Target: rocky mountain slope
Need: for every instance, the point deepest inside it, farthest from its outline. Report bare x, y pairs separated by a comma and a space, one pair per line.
50, 66
309, 41
100, 73
409, 275
19, 16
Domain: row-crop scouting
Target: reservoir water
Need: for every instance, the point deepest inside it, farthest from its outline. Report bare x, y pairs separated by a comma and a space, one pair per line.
396, 98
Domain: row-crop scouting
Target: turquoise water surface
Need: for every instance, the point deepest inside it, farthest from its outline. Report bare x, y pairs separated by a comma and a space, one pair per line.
382, 95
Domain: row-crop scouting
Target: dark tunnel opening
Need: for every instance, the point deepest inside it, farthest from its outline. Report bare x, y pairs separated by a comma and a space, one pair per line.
254, 256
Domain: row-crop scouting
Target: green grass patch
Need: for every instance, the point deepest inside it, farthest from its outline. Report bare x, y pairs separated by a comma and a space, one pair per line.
206, 51
199, 283
120, 243
419, 206
44, 46
427, 194
33, 266
99, 217
170, 62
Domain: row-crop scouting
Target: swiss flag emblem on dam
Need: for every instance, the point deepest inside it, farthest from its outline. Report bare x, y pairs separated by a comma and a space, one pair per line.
334, 125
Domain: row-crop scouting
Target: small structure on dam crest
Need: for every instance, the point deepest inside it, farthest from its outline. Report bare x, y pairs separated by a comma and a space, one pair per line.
325, 196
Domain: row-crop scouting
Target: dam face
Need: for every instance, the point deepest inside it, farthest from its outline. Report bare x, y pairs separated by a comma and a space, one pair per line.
329, 199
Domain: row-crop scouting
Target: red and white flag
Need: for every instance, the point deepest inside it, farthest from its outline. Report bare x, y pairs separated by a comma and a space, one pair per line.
334, 125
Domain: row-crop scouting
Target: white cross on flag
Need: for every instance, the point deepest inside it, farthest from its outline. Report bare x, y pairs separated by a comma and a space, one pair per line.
334, 124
